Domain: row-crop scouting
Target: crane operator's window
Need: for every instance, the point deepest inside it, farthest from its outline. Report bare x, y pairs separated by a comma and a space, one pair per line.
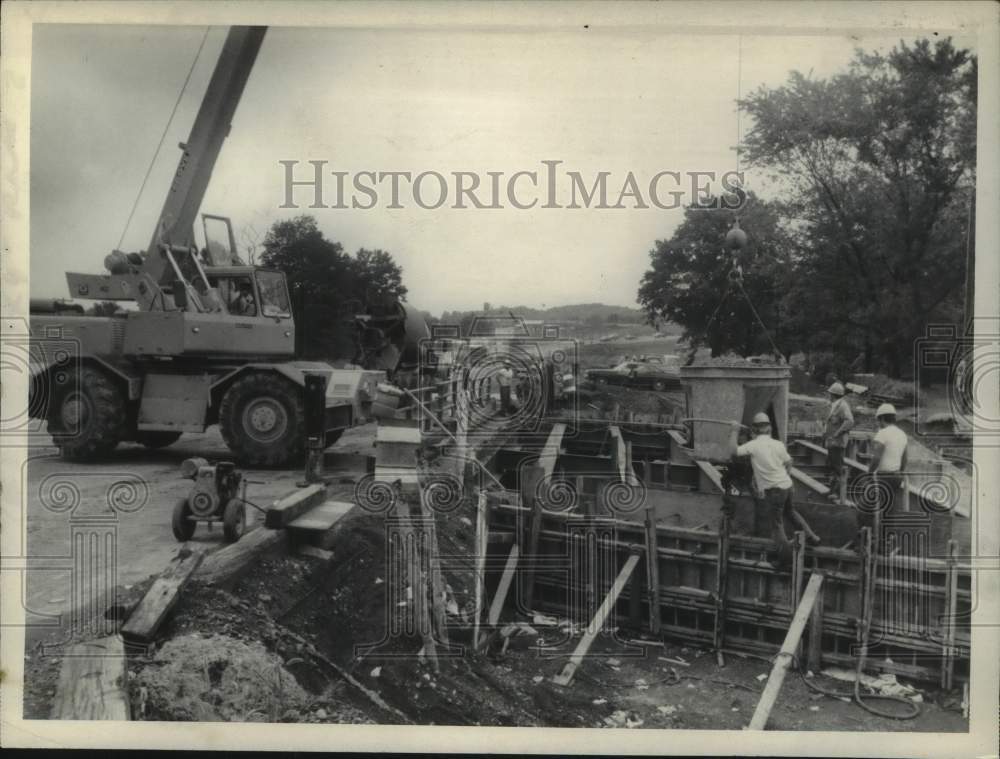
273, 294
237, 293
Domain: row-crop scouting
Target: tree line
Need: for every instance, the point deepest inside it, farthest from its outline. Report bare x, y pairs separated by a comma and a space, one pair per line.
866, 239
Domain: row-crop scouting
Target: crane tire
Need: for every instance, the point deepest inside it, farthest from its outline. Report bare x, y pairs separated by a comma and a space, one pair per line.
262, 418
87, 416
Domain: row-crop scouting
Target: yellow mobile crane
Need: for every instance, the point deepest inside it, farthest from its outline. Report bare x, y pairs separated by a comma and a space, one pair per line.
213, 340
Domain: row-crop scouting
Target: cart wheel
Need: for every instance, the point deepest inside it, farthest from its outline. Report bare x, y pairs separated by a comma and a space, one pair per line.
181, 523
234, 520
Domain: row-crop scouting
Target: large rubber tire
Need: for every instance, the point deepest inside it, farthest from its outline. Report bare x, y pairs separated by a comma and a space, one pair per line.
234, 520
157, 438
182, 527
87, 416
262, 417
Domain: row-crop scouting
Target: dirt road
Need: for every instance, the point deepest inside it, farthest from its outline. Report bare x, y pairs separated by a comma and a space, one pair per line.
130, 497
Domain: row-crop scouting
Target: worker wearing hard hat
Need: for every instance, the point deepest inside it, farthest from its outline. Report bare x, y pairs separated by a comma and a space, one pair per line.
839, 421
888, 462
772, 481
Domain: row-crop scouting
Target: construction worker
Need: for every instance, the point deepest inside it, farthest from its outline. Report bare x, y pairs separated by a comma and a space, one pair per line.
839, 422
243, 304
888, 462
772, 482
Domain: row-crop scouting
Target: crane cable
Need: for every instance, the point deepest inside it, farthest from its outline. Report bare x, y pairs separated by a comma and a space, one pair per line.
156, 153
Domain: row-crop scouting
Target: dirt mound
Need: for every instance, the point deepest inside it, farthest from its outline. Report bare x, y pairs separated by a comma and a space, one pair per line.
218, 678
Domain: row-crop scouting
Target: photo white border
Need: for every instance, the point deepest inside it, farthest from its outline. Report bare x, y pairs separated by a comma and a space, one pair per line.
979, 18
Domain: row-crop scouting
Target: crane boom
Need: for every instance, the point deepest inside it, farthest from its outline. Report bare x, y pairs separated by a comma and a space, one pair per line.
169, 265
175, 225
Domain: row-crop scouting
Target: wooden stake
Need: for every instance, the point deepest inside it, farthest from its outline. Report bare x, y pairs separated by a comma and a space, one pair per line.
798, 574
652, 570
597, 623
786, 654
530, 477
721, 584
948, 663
482, 544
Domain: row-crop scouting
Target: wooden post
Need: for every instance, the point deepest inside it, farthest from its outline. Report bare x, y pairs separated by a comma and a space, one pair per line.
531, 476
433, 562
482, 543
500, 598
787, 652
597, 623
951, 603
721, 583
652, 570
798, 575
814, 660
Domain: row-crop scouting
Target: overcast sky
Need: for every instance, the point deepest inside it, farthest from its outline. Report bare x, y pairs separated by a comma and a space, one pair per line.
385, 100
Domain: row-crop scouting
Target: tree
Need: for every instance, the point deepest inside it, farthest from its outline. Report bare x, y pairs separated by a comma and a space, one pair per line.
378, 276
689, 279
328, 287
879, 163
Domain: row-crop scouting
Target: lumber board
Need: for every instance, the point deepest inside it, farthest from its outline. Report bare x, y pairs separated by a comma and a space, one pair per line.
813, 484
550, 453
290, 507
814, 656
162, 595
92, 682
227, 564
785, 655
652, 569
531, 476
500, 597
322, 517
397, 434
597, 624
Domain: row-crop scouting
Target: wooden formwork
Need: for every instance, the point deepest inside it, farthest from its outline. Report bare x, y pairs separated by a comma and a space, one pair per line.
920, 625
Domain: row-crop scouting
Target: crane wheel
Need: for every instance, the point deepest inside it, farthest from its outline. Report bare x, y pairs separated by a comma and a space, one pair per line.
234, 520
87, 416
180, 522
262, 417
157, 438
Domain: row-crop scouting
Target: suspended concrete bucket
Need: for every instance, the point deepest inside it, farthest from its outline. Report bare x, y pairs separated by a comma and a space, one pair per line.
718, 395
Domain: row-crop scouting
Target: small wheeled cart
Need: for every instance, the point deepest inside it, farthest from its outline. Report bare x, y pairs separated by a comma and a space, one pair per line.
218, 495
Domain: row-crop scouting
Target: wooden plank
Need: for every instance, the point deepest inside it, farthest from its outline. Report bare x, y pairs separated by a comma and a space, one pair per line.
227, 564
500, 598
550, 453
290, 507
814, 485
161, 597
786, 654
597, 623
618, 452
397, 434
322, 517
92, 682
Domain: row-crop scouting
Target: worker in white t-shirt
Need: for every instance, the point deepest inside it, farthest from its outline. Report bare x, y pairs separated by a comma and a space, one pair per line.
772, 481
888, 463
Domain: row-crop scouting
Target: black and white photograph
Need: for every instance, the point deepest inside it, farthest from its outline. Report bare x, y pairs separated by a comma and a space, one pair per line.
375, 370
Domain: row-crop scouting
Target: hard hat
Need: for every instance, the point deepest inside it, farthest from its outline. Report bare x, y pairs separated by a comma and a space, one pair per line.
884, 409
761, 418
835, 389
